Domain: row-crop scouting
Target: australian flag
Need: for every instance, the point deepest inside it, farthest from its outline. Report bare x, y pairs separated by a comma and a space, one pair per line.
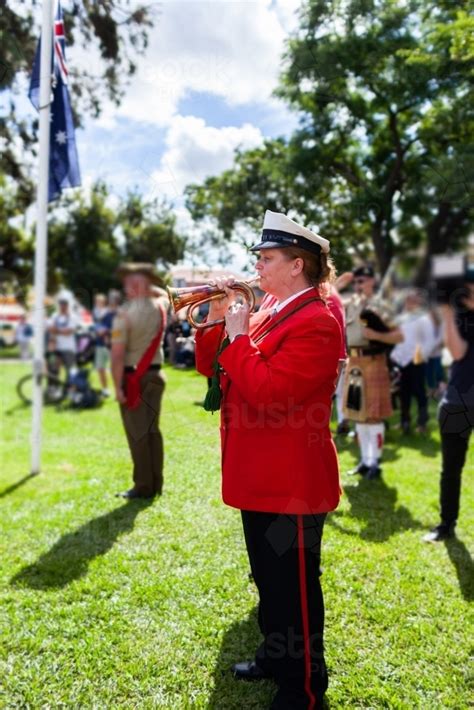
63, 161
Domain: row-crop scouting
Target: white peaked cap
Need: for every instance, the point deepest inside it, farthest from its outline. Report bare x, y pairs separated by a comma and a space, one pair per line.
65, 296
280, 231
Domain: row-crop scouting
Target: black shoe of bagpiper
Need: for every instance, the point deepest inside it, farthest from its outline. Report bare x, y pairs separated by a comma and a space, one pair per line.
360, 469
373, 473
343, 428
441, 532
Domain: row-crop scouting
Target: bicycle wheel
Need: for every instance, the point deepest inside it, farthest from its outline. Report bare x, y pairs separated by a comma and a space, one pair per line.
54, 389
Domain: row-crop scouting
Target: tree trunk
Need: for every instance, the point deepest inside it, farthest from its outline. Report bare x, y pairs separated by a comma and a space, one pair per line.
382, 246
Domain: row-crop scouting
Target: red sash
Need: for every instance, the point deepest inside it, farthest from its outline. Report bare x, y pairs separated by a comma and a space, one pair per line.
132, 379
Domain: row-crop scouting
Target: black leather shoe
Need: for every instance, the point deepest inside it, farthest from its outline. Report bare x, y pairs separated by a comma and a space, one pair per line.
343, 428
373, 472
439, 533
361, 469
248, 670
131, 494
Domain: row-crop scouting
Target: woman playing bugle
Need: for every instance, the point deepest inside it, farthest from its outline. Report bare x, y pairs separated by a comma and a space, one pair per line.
277, 372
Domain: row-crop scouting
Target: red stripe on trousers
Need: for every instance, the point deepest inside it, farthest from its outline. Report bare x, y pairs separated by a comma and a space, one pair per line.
304, 613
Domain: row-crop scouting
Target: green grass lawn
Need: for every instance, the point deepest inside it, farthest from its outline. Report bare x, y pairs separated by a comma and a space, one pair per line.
107, 604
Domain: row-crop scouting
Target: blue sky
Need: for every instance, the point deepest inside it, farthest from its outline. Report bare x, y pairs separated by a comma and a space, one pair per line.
203, 88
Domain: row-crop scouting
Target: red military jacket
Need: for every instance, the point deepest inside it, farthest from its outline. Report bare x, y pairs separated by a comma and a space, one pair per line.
278, 455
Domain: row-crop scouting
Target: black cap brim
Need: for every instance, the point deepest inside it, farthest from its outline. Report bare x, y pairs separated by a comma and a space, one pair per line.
269, 245
277, 239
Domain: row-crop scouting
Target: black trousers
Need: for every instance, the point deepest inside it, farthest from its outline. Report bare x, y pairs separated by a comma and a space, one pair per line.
412, 385
285, 554
456, 424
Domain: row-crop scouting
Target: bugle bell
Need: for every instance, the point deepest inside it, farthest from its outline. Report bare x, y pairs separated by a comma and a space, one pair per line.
194, 296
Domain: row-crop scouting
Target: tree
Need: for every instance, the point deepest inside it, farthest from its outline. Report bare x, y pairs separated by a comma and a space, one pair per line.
149, 231
88, 239
15, 245
115, 30
267, 178
83, 252
382, 156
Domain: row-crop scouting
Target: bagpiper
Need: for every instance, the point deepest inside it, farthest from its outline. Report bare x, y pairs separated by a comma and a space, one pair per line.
370, 332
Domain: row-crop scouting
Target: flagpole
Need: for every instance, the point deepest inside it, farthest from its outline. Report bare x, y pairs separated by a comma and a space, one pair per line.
41, 232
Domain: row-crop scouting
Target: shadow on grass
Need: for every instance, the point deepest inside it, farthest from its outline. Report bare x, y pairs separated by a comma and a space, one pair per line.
18, 484
349, 445
375, 504
464, 566
20, 406
425, 444
239, 644
70, 556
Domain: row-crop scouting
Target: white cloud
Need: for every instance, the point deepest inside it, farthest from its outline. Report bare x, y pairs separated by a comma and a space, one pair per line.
194, 151
229, 49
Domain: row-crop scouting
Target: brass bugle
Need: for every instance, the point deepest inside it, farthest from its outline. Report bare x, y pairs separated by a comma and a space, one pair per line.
194, 296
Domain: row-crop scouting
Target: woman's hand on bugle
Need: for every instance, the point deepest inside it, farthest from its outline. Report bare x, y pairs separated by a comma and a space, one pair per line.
219, 306
237, 320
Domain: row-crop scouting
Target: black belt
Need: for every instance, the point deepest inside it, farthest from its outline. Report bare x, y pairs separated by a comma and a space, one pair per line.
132, 368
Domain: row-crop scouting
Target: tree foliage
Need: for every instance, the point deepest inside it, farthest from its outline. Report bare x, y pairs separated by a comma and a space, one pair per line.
382, 157
148, 229
115, 31
88, 238
15, 247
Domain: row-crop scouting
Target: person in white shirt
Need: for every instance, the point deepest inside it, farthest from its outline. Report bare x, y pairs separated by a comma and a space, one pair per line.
411, 356
62, 326
435, 374
23, 336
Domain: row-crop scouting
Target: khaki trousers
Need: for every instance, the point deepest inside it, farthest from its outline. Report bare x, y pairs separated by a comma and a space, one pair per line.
144, 436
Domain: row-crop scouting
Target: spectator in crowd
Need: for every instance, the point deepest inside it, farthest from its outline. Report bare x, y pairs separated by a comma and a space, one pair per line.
435, 375
62, 326
411, 356
23, 336
456, 413
172, 332
103, 316
185, 349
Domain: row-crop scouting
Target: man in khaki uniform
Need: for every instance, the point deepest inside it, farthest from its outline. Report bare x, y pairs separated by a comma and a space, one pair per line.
140, 320
367, 396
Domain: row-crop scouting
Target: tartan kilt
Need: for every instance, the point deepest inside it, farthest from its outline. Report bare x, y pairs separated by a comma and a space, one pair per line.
367, 377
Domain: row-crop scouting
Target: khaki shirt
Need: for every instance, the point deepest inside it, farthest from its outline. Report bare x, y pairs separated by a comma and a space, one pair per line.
354, 326
136, 324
